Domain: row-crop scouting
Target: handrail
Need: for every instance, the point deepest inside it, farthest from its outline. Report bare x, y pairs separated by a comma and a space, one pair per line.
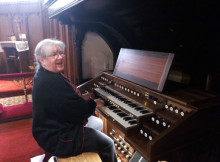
13, 75
20, 80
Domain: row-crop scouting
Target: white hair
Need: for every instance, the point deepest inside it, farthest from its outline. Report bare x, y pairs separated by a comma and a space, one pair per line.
45, 48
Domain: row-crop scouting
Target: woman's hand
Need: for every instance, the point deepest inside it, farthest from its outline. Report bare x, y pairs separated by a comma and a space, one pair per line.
99, 102
87, 96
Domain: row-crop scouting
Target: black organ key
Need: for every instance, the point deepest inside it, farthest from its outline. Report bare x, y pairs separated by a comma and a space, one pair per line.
139, 108
132, 122
133, 105
106, 103
127, 102
121, 114
144, 111
108, 91
117, 111
127, 118
115, 95
122, 99
112, 108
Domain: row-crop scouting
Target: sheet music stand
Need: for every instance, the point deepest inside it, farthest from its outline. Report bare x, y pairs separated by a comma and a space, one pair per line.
146, 68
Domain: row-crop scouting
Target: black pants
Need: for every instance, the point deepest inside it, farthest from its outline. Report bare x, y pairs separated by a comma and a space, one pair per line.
96, 141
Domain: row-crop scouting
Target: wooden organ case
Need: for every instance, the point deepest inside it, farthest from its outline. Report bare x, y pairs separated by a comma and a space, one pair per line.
170, 126
178, 125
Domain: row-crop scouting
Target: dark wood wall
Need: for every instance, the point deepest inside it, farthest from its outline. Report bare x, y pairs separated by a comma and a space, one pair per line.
52, 28
22, 18
32, 19
190, 29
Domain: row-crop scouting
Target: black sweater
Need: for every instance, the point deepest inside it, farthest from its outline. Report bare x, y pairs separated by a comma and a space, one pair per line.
58, 114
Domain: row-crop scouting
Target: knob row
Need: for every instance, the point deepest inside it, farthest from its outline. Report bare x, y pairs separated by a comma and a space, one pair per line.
175, 110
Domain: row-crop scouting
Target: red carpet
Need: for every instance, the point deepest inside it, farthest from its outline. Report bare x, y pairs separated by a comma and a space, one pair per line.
17, 143
8, 81
8, 88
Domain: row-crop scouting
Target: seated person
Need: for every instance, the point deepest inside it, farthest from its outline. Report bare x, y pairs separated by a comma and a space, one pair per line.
61, 113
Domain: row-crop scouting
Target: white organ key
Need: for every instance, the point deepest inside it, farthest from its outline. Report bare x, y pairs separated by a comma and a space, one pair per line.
125, 106
117, 118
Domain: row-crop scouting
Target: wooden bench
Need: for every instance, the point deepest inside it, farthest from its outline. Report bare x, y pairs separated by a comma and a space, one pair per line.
84, 157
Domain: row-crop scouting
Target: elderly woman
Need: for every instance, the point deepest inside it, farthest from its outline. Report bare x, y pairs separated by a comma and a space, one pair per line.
60, 112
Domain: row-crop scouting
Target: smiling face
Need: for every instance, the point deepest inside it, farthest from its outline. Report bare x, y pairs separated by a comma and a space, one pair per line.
54, 62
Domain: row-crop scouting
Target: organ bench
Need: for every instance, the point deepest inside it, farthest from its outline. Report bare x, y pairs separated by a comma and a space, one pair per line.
84, 157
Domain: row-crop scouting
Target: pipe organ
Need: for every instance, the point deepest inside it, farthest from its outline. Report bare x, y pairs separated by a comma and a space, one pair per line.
148, 119
142, 118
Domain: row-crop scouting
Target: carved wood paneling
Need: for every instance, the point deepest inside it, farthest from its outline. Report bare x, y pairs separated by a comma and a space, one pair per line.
54, 29
33, 20
22, 18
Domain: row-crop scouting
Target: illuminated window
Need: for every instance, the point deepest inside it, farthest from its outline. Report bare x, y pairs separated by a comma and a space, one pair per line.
17, 1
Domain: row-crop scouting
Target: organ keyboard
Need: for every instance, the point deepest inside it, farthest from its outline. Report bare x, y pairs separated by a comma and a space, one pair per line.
131, 107
155, 123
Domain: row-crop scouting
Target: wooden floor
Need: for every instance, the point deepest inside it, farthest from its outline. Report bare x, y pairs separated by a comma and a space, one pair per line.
15, 125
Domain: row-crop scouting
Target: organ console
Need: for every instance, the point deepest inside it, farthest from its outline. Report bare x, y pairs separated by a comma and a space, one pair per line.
147, 119
158, 125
